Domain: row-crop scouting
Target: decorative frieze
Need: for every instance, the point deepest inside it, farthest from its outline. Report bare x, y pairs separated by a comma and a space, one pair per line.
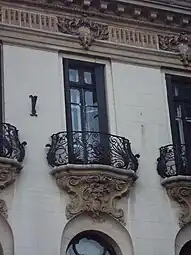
26, 19
177, 43
171, 14
132, 37
94, 191
179, 189
88, 29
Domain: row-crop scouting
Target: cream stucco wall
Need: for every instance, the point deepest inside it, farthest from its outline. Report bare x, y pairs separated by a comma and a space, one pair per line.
137, 109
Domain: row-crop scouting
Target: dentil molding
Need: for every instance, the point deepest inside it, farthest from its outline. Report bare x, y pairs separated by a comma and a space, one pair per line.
179, 189
94, 189
9, 169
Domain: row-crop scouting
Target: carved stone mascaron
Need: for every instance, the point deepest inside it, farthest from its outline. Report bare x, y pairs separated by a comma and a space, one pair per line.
179, 189
94, 189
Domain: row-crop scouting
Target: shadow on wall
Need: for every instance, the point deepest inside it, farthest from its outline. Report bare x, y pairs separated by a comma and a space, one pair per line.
183, 241
6, 238
110, 234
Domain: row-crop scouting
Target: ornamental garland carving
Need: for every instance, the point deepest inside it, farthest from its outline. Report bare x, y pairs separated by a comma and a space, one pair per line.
180, 191
86, 30
94, 193
180, 44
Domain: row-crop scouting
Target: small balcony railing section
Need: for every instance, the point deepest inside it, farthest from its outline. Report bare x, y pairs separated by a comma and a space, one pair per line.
91, 148
173, 161
10, 146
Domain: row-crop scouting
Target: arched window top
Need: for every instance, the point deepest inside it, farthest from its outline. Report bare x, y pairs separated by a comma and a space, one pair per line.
186, 249
90, 242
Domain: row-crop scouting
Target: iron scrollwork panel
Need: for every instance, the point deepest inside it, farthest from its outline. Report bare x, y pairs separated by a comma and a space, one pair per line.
173, 161
10, 146
91, 148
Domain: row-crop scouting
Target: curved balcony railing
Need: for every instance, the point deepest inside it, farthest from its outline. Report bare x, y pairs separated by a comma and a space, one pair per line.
173, 161
91, 148
10, 146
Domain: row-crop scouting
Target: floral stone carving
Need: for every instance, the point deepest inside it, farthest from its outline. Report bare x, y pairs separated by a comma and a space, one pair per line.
94, 191
180, 44
9, 168
86, 30
179, 189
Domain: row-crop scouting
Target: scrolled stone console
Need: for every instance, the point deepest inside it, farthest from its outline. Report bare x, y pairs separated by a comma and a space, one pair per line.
94, 189
179, 189
9, 168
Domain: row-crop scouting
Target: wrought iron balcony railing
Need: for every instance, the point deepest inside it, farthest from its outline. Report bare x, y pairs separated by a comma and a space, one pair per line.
91, 148
173, 161
10, 146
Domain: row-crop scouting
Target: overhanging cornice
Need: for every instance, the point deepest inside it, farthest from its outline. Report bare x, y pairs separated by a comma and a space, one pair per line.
129, 34
169, 15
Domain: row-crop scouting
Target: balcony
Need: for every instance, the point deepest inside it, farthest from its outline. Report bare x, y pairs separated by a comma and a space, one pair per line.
173, 161
96, 167
12, 154
174, 166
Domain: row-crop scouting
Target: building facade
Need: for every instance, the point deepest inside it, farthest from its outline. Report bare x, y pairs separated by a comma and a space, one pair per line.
100, 93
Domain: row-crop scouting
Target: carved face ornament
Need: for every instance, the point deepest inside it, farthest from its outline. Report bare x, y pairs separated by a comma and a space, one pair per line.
85, 37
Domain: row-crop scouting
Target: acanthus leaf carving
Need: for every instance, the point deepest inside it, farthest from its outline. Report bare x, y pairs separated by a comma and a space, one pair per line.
3, 208
180, 43
8, 172
86, 30
7, 177
94, 193
180, 191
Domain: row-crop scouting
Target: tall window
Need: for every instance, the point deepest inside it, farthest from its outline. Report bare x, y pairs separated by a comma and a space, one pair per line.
179, 96
85, 109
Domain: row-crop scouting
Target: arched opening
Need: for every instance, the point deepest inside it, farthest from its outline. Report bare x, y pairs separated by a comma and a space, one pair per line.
94, 235
186, 249
90, 242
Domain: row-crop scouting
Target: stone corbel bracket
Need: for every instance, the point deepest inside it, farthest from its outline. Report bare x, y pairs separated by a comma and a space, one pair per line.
179, 189
9, 168
180, 44
86, 30
94, 189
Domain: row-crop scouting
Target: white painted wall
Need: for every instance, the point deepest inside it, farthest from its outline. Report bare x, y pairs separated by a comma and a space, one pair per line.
142, 116
137, 110
36, 212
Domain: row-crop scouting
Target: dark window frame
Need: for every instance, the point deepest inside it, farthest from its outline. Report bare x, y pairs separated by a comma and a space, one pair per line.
99, 71
173, 81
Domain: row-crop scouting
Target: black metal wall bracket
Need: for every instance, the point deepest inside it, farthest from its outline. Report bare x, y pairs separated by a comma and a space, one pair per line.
33, 105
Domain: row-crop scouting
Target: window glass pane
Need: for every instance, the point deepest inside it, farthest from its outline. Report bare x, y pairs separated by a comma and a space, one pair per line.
73, 75
180, 123
75, 96
188, 112
91, 98
88, 77
92, 121
76, 117
87, 247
